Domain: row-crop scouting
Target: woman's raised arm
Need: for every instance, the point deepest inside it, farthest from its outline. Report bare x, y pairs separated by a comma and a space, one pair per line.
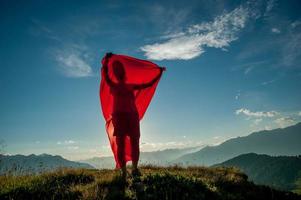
149, 84
106, 69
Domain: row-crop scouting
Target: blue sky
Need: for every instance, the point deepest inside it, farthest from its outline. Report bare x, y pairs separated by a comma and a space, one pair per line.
233, 67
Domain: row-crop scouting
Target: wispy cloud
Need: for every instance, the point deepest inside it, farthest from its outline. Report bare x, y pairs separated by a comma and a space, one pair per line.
270, 6
295, 24
72, 56
249, 113
275, 30
270, 119
291, 53
285, 46
167, 18
257, 121
284, 121
268, 82
237, 96
72, 63
191, 43
153, 146
248, 69
73, 147
249, 66
66, 142
40, 29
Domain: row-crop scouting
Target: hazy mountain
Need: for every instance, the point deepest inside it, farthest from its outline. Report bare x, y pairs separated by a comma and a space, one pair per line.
284, 141
163, 158
280, 172
107, 162
31, 164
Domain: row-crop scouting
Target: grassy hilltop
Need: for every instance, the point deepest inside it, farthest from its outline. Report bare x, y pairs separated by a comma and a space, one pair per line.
155, 183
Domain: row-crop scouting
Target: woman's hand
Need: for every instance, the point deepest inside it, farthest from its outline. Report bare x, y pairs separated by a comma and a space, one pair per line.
106, 69
108, 55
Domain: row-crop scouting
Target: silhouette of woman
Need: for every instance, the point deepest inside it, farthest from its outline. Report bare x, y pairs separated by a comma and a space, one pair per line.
125, 117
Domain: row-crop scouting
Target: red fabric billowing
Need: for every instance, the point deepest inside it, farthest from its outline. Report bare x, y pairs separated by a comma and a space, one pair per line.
137, 72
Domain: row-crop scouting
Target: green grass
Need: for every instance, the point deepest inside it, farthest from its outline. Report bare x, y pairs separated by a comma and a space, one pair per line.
155, 183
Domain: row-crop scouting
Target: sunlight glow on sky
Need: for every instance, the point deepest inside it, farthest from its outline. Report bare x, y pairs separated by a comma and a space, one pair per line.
233, 67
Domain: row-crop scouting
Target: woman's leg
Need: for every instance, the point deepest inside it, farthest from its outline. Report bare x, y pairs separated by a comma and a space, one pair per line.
121, 153
135, 151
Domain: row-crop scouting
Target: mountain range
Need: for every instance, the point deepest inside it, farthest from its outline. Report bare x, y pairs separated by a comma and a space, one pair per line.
277, 142
33, 164
282, 141
280, 172
161, 158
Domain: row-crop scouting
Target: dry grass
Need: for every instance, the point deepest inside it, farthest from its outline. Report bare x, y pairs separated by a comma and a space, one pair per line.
155, 183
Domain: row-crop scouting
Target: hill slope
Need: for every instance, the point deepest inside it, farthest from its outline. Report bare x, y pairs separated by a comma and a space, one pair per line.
280, 172
31, 164
155, 183
284, 141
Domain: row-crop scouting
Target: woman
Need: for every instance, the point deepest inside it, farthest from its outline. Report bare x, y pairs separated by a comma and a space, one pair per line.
125, 116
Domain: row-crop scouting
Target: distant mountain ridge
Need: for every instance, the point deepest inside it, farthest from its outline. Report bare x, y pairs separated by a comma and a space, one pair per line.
280, 172
162, 158
284, 141
33, 164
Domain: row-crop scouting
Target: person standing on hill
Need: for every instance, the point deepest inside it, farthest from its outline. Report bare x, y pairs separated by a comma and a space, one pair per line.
124, 98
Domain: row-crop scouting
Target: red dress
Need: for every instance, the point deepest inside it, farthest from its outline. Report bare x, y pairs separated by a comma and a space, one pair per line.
124, 104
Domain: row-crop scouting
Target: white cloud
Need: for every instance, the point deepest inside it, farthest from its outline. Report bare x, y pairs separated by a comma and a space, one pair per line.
295, 24
299, 113
172, 35
249, 113
73, 63
248, 69
66, 142
39, 28
69, 142
284, 122
286, 46
237, 96
270, 6
249, 66
291, 53
72, 57
151, 146
275, 30
73, 147
267, 82
191, 43
267, 127
257, 121
255, 124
